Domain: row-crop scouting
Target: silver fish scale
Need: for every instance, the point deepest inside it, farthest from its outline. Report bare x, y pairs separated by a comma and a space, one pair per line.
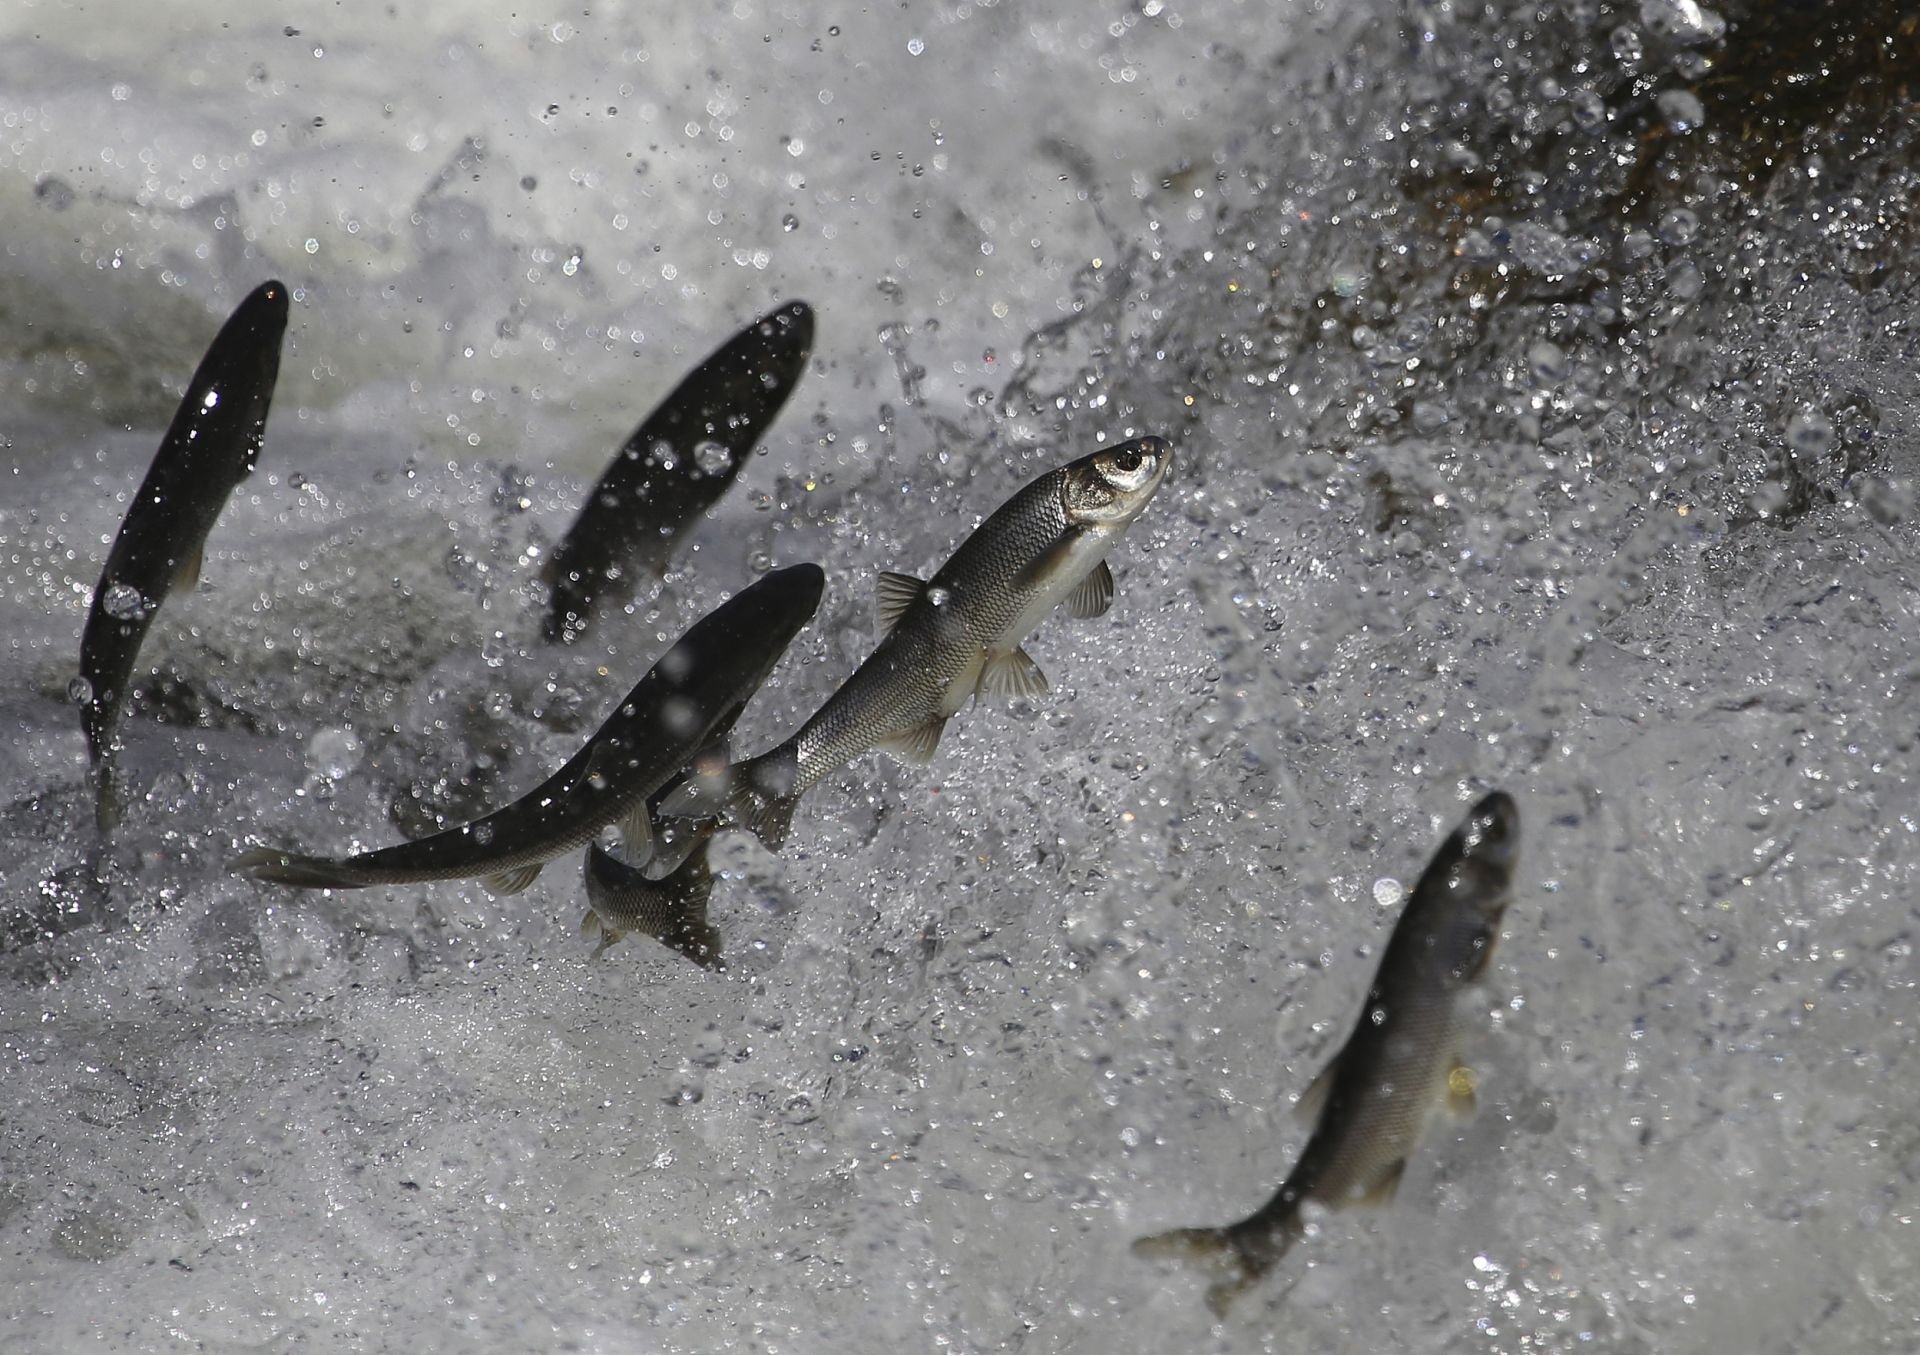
967, 607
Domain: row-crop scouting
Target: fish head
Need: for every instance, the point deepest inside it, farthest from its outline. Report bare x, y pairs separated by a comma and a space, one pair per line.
1109, 488
1489, 844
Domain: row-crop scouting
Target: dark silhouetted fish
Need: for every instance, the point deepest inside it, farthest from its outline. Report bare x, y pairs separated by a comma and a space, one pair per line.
674, 467
687, 700
1401, 1062
209, 449
956, 635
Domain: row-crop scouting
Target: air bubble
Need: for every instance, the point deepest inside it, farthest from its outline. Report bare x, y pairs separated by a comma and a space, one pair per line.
124, 602
1547, 363
79, 691
1681, 110
713, 458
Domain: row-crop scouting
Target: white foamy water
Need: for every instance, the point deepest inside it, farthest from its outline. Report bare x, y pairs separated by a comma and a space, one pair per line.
1534, 431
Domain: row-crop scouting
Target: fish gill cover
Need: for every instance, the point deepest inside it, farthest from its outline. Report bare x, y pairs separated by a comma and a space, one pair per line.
1542, 383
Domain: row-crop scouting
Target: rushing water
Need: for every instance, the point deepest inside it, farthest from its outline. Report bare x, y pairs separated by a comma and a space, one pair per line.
1543, 382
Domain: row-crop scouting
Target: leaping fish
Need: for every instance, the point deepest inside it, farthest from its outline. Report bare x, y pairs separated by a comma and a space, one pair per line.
689, 699
1376, 1094
672, 910
676, 464
956, 635
209, 449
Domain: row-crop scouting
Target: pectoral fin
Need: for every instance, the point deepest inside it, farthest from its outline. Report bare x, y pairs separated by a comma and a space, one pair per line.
1313, 1100
1056, 557
186, 575
893, 595
1093, 595
512, 882
915, 745
1481, 958
637, 834
1384, 1186
1014, 674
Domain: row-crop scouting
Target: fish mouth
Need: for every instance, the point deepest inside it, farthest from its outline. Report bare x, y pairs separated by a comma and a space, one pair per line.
1493, 829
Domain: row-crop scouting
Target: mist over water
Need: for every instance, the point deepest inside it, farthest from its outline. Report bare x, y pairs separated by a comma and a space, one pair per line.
1542, 386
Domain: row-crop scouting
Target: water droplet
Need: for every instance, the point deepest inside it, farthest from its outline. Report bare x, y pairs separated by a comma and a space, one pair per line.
1681, 110
1679, 226
1684, 280
79, 691
333, 753
483, 833
938, 596
1386, 891
713, 458
915, 47
1682, 21
124, 602
790, 222
1627, 46
1809, 432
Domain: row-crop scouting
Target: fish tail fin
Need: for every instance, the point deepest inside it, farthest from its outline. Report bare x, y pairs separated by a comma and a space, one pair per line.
290, 868
745, 795
767, 817
689, 889
106, 794
1227, 1252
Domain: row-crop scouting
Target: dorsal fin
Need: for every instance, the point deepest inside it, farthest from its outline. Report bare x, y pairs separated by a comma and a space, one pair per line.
1093, 595
894, 593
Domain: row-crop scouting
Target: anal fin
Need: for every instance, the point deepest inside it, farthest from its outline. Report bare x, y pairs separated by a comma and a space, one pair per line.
916, 744
1014, 674
514, 881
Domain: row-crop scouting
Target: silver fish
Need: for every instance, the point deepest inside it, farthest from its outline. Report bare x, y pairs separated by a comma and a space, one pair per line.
1402, 1061
672, 910
209, 449
676, 464
691, 697
956, 635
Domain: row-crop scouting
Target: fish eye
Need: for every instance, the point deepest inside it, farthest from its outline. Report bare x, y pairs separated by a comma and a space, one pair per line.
1127, 459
